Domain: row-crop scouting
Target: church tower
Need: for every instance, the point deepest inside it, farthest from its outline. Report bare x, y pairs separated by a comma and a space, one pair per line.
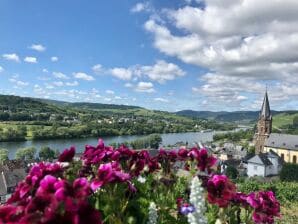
264, 125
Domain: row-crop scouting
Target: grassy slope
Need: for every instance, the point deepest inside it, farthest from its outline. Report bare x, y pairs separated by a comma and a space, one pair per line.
283, 119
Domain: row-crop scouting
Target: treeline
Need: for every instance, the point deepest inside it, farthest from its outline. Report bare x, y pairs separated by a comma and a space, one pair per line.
17, 133
30, 154
235, 136
151, 141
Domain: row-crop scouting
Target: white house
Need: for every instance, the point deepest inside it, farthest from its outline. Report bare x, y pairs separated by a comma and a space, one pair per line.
264, 164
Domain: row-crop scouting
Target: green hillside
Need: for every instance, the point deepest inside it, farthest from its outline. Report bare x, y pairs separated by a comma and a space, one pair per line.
284, 120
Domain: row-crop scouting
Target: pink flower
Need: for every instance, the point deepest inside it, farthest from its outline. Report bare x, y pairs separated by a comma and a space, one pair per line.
220, 190
109, 173
265, 205
204, 160
67, 155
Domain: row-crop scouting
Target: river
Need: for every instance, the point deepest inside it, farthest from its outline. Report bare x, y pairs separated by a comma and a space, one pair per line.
79, 143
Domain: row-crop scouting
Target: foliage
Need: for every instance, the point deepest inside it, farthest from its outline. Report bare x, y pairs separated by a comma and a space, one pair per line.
46, 153
13, 133
231, 172
118, 185
285, 191
289, 172
26, 153
3, 155
235, 136
151, 141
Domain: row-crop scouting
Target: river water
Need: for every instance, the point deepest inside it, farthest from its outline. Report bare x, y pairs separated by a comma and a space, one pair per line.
79, 143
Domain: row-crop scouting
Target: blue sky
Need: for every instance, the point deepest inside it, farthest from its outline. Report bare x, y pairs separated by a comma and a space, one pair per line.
168, 55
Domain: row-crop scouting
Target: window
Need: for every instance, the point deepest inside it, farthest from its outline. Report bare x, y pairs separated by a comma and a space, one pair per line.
255, 167
294, 159
282, 156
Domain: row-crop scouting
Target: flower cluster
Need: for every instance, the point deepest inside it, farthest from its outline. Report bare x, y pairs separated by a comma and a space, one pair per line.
109, 173
71, 191
265, 205
44, 197
220, 190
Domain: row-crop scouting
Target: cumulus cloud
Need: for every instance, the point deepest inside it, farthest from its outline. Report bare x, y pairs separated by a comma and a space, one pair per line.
235, 40
60, 75
11, 57
144, 87
32, 60
97, 69
161, 72
37, 47
1, 69
84, 76
54, 59
121, 73
18, 83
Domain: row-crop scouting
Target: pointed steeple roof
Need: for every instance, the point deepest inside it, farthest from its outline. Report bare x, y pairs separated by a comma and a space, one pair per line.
265, 111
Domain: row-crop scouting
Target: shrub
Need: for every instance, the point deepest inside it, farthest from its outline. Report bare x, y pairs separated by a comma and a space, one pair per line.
289, 172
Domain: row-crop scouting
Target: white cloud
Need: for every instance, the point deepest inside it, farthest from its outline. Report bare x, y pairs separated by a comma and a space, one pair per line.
1, 69
145, 87
97, 69
118, 98
110, 92
84, 76
141, 6
60, 75
74, 83
45, 70
255, 42
11, 57
54, 59
121, 73
162, 71
30, 60
163, 100
18, 83
37, 47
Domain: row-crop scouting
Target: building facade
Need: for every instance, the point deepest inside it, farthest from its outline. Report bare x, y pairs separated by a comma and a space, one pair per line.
264, 164
286, 146
264, 126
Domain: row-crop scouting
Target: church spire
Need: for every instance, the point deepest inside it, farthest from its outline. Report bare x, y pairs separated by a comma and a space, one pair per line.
265, 111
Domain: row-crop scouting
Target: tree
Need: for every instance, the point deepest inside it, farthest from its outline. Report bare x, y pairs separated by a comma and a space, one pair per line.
295, 122
26, 153
3, 155
231, 172
46, 153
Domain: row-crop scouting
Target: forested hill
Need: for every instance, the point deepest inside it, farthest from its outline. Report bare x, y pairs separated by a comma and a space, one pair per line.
15, 104
92, 106
224, 116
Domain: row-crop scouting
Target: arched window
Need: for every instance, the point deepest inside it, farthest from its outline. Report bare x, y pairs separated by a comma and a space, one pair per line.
294, 159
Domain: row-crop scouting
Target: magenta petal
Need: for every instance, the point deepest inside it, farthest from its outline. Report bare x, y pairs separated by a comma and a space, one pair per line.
96, 184
60, 194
